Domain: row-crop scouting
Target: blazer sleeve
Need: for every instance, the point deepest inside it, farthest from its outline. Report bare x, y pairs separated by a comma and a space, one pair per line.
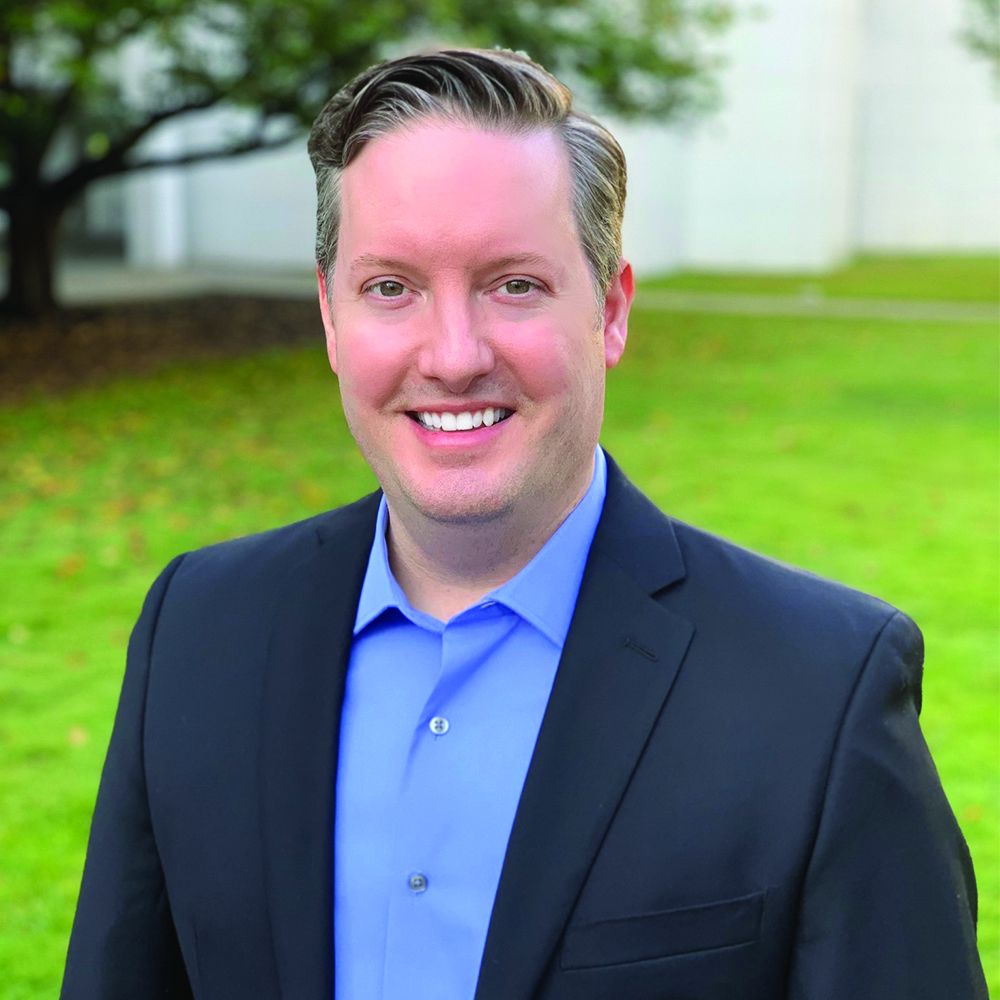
888, 905
123, 945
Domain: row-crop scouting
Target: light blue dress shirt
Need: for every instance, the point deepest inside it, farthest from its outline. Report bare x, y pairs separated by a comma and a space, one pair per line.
438, 727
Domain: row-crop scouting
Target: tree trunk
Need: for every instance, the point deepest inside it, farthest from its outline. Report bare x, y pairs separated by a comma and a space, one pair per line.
32, 237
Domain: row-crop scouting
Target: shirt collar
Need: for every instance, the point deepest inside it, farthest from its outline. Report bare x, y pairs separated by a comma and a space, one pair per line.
543, 593
379, 591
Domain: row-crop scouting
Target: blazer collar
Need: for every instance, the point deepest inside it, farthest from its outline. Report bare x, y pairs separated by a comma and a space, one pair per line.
637, 535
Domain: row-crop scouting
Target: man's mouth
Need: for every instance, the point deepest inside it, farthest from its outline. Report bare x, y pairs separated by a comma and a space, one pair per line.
467, 420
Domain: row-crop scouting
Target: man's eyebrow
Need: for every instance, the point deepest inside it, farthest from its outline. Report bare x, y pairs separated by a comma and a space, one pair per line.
511, 260
368, 260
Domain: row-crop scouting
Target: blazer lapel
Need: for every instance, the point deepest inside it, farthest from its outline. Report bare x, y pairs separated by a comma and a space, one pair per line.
620, 659
299, 723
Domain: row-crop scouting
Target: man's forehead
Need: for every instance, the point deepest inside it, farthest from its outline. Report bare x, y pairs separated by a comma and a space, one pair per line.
434, 167
435, 142
454, 193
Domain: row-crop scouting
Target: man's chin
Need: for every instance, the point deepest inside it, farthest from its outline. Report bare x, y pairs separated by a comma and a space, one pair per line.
472, 511
457, 506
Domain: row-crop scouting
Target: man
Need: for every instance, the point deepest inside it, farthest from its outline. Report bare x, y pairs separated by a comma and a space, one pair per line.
504, 730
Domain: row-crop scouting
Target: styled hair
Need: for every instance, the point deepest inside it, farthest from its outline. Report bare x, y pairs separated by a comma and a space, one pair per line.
494, 89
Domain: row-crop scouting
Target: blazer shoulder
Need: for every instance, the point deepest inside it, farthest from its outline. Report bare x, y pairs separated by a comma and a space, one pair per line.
721, 586
725, 560
267, 556
747, 586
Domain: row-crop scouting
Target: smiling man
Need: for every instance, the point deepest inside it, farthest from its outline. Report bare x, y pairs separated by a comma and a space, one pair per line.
503, 730
461, 320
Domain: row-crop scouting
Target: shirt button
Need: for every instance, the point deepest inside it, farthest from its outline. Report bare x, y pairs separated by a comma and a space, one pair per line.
439, 725
418, 882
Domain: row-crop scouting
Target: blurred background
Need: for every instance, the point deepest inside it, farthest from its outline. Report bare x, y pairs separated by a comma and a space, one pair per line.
814, 217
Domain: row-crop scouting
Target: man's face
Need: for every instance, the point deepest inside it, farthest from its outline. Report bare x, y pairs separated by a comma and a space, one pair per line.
461, 293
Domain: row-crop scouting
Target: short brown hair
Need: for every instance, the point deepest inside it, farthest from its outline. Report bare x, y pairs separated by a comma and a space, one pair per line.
496, 89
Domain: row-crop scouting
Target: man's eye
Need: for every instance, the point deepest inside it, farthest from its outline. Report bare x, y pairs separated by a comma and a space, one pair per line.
388, 289
519, 286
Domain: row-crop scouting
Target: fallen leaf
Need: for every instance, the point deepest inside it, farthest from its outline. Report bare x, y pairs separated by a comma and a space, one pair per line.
972, 813
71, 565
77, 736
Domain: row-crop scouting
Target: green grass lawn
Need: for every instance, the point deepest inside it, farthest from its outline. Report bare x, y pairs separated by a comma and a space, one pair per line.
955, 278
866, 451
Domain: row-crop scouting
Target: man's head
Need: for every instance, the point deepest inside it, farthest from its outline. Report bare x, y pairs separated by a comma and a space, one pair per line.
468, 218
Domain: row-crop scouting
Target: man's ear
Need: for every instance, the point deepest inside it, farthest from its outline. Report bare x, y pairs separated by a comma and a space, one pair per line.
617, 303
324, 310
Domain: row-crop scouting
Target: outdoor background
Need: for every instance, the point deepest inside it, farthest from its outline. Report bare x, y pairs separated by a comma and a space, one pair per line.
812, 371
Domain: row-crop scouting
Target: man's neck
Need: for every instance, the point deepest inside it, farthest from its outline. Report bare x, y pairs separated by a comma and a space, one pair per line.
445, 568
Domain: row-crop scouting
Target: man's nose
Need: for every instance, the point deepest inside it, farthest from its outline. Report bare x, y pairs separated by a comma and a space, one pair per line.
456, 348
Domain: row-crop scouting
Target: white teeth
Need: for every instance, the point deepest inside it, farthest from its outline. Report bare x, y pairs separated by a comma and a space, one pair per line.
465, 421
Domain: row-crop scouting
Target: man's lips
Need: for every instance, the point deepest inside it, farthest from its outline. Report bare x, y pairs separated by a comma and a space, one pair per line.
463, 407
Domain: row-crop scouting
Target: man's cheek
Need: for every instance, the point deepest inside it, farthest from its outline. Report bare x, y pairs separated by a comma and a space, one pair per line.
372, 373
541, 364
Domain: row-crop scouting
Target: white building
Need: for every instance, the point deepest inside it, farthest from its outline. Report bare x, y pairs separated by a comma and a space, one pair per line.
847, 126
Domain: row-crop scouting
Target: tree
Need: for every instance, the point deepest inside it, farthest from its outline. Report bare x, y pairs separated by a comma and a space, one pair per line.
982, 32
70, 114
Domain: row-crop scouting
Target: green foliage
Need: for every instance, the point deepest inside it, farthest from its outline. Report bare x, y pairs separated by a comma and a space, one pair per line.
866, 451
982, 32
108, 72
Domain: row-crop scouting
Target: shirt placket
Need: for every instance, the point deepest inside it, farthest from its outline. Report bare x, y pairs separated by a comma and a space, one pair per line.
432, 888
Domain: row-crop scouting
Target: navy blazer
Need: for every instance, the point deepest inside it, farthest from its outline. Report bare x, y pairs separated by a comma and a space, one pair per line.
730, 797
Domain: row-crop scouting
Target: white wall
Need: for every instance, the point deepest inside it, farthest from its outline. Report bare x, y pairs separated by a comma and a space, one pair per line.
930, 139
257, 210
262, 206
770, 178
156, 203
655, 206
156, 230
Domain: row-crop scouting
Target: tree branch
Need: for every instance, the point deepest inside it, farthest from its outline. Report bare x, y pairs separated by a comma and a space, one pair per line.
109, 169
113, 162
60, 106
241, 149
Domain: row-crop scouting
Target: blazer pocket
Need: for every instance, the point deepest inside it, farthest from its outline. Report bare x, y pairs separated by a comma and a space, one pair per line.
660, 935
